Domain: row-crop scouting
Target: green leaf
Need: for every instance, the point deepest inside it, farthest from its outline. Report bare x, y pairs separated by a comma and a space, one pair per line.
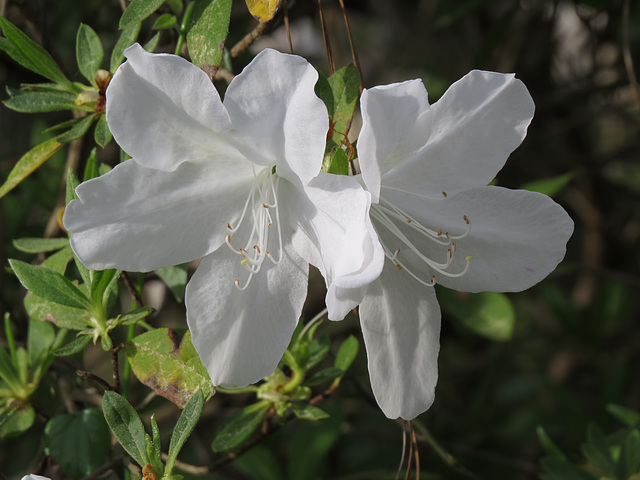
28, 163
336, 162
489, 314
175, 278
259, 463
627, 416
49, 285
340, 94
58, 261
170, 371
80, 442
324, 376
8, 370
41, 337
137, 11
126, 39
78, 130
631, 450
40, 245
102, 134
89, 53
165, 21
347, 353
72, 184
559, 469
151, 45
318, 350
239, 426
176, 6
31, 55
91, 168
102, 284
135, 316
549, 186
126, 426
73, 347
35, 102
17, 420
549, 447
43, 310
186, 423
309, 412
207, 32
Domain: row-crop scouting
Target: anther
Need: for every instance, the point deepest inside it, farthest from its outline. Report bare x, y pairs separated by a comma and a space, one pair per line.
229, 227
257, 248
440, 232
242, 252
398, 266
466, 219
265, 205
444, 194
244, 261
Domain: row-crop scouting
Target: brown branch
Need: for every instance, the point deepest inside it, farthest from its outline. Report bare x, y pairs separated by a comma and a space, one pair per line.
91, 376
286, 25
133, 291
354, 55
116, 371
248, 40
325, 37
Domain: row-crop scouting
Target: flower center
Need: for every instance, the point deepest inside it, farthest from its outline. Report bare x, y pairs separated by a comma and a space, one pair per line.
394, 220
261, 212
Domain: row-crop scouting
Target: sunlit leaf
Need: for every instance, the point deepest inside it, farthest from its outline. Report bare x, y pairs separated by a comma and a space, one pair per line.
89, 53
137, 11
40, 245
28, 163
126, 425
207, 32
35, 102
185, 425
309, 412
263, 10
126, 39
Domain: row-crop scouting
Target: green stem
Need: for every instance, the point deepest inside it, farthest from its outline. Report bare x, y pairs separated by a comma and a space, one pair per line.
10, 340
310, 324
126, 372
183, 27
298, 373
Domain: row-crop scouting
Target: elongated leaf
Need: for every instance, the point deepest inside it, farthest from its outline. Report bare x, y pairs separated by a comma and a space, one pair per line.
43, 310
239, 426
627, 416
186, 423
165, 21
309, 412
170, 371
40, 245
49, 285
34, 102
78, 130
207, 32
41, 337
17, 421
102, 283
175, 278
347, 353
324, 376
8, 371
80, 442
126, 39
126, 425
89, 53
28, 163
263, 10
31, 55
138, 10
102, 134
318, 349
73, 347
135, 316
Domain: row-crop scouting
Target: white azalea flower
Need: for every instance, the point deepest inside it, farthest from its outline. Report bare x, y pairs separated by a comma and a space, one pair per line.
427, 168
32, 476
231, 182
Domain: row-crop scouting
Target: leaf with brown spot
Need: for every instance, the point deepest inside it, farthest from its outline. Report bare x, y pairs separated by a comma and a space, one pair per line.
172, 371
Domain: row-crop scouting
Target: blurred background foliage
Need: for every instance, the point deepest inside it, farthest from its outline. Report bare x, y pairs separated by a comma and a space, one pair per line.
574, 346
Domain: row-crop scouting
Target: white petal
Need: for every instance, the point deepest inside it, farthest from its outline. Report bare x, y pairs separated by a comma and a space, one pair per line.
477, 123
163, 110
32, 476
516, 239
276, 115
401, 327
396, 123
240, 336
140, 219
334, 232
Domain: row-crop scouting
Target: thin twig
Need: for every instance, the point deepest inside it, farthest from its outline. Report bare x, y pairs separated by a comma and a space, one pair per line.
412, 445
224, 74
91, 376
116, 370
123, 5
402, 455
416, 450
248, 40
286, 24
354, 55
626, 50
325, 37
133, 291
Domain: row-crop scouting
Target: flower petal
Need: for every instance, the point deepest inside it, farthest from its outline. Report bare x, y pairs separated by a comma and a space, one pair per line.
334, 233
396, 123
277, 117
163, 110
140, 219
401, 327
240, 336
477, 123
516, 237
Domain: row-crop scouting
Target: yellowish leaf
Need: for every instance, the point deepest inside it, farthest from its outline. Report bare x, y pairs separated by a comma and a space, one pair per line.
263, 10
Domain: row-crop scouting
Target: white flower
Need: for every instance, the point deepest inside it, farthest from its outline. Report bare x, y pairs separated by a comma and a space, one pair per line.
32, 476
427, 169
231, 182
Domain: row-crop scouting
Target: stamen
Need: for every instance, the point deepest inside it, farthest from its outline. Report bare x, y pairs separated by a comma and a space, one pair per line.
388, 215
258, 208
